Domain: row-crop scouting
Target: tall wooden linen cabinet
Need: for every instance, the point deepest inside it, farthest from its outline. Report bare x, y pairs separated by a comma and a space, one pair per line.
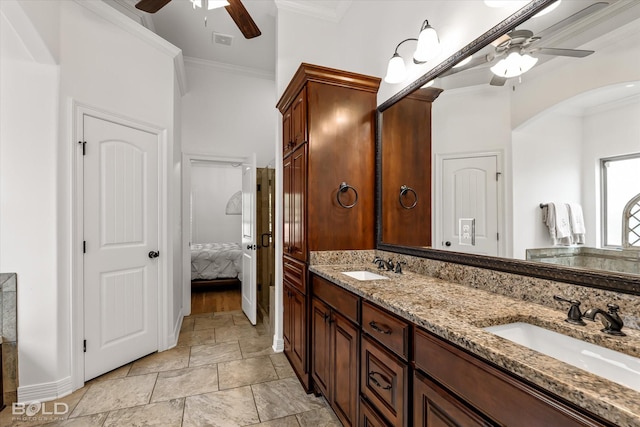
328, 120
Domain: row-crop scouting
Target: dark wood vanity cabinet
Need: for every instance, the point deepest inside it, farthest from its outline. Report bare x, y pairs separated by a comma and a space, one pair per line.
295, 318
294, 173
335, 346
463, 388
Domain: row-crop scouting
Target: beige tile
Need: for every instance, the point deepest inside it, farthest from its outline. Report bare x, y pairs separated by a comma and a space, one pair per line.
282, 365
233, 407
116, 394
163, 414
95, 420
57, 412
235, 332
252, 347
212, 322
215, 353
200, 337
185, 382
227, 313
187, 324
120, 372
281, 398
323, 417
175, 358
243, 372
290, 421
240, 319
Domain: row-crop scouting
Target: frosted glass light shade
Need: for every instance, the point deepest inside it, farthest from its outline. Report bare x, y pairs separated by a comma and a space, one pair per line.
396, 71
428, 44
514, 65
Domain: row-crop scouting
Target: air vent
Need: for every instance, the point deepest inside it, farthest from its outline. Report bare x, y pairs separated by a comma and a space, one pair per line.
224, 39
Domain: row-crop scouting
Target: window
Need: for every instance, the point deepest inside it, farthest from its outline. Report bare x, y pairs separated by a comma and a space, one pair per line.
620, 183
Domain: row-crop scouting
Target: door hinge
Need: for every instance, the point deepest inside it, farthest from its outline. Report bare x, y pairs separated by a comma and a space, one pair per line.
497, 236
259, 187
498, 175
84, 146
84, 246
84, 346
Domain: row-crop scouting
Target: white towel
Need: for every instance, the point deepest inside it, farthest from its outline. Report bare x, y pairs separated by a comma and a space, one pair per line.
556, 218
576, 220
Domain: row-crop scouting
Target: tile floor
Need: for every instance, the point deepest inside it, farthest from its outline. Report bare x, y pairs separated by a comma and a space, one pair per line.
223, 372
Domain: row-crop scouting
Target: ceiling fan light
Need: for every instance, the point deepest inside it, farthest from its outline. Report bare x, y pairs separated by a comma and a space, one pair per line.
396, 71
428, 44
514, 65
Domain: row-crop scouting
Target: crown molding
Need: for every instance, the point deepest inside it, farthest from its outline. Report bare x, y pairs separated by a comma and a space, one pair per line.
332, 14
229, 68
144, 34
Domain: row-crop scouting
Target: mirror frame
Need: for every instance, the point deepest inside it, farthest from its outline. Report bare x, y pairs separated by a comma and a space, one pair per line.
601, 279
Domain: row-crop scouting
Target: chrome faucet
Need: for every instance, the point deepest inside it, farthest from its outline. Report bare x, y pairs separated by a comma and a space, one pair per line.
611, 320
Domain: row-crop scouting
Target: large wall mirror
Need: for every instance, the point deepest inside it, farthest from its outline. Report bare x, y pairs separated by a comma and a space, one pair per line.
469, 159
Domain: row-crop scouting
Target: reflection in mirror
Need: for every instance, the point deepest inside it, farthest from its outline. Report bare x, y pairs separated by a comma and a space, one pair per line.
502, 146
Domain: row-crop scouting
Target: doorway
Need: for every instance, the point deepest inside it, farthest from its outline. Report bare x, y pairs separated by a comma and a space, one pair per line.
266, 178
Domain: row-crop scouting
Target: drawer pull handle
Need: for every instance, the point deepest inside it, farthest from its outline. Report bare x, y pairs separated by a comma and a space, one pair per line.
377, 383
383, 330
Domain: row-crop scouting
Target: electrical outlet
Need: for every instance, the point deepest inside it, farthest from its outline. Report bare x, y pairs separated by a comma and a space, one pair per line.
224, 39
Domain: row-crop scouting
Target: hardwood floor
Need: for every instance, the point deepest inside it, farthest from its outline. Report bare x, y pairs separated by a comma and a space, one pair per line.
215, 300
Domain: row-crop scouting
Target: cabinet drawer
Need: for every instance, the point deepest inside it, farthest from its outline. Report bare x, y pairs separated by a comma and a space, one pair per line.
342, 300
494, 393
294, 273
388, 329
369, 417
384, 381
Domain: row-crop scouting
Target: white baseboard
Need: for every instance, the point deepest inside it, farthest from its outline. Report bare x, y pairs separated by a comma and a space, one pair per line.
278, 344
172, 340
45, 392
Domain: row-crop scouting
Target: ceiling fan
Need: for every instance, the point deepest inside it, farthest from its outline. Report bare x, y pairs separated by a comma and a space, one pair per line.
236, 10
513, 50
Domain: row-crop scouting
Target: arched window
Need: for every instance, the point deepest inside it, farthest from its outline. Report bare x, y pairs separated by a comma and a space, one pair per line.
631, 224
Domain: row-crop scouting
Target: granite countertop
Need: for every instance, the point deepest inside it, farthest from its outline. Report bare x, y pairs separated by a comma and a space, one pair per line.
458, 313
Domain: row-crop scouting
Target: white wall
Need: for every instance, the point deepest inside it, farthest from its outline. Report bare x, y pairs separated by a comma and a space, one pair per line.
211, 187
228, 113
104, 66
28, 203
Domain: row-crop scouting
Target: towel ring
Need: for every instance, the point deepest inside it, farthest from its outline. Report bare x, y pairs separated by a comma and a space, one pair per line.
344, 187
403, 192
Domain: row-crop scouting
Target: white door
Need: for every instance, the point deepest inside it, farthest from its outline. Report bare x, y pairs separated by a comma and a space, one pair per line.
249, 246
470, 205
121, 235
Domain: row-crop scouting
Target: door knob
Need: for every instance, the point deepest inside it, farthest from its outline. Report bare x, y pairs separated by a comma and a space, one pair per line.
154, 254
254, 247
447, 243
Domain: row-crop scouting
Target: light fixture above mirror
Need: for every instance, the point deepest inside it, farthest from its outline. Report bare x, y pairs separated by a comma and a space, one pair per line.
427, 48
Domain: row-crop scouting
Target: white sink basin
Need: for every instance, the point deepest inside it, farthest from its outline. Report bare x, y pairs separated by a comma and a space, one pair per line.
613, 365
364, 275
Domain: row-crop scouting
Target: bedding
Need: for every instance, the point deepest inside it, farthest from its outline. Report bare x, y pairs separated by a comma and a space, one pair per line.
211, 261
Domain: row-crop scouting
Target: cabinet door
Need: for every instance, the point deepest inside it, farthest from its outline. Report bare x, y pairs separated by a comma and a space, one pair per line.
321, 345
298, 331
299, 119
287, 205
435, 407
344, 364
287, 135
297, 202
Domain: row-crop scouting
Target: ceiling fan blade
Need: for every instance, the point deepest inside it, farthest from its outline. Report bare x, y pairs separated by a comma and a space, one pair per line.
497, 81
243, 20
575, 53
151, 6
546, 33
482, 59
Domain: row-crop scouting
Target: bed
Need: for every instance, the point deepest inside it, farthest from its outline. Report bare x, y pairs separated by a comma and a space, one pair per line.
216, 264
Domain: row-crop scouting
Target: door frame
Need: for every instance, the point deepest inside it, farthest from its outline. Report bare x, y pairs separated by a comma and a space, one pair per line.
78, 110
438, 179
186, 217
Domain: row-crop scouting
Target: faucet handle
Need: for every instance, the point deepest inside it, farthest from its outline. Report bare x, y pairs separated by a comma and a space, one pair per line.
574, 316
613, 308
399, 266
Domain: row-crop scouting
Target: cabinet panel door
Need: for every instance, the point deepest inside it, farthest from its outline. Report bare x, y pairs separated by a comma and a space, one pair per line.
298, 203
298, 331
369, 417
287, 135
287, 204
344, 385
286, 319
320, 345
435, 407
299, 118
